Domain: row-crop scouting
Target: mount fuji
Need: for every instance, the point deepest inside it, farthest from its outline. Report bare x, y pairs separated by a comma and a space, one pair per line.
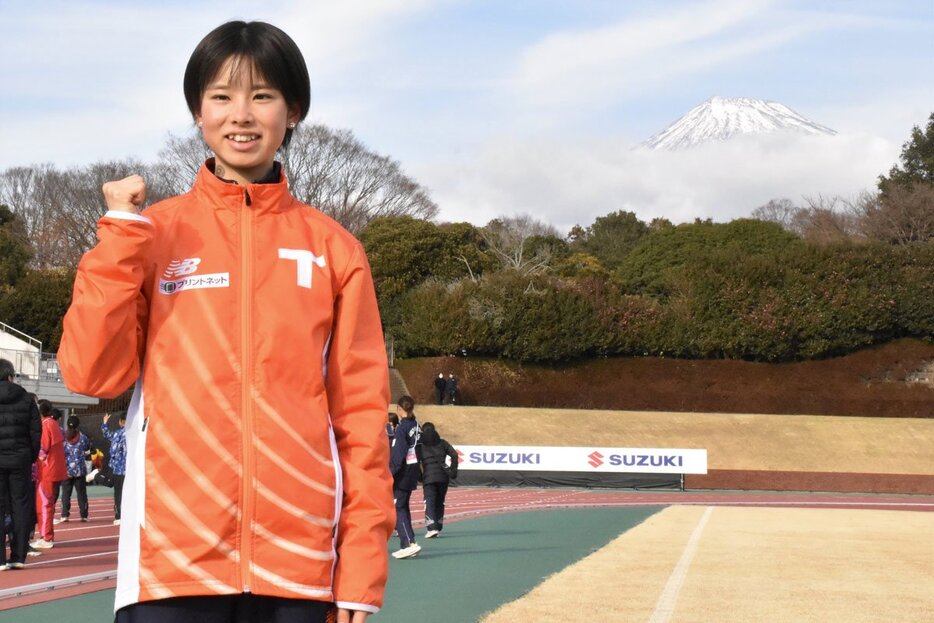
722, 118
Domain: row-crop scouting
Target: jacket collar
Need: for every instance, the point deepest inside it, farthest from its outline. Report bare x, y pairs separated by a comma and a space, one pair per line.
272, 196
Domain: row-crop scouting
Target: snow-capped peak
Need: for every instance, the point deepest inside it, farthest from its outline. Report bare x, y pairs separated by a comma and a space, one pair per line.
721, 118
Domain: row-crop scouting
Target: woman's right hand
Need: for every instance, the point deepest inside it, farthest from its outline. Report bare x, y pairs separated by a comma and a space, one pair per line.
126, 195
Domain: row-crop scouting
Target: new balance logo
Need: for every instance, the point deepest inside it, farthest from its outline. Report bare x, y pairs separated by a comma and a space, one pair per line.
178, 277
180, 268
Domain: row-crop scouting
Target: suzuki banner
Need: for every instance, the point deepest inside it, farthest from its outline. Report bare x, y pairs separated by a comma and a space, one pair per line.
583, 459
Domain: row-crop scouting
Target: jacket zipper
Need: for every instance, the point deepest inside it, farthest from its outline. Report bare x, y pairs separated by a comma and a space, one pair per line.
246, 478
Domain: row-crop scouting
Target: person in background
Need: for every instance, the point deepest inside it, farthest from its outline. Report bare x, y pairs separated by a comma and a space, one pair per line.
20, 439
117, 439
450, 388
438, 462
440, 386
97, 464
33, 518
57, 491
50, 471
403, 463
77, 451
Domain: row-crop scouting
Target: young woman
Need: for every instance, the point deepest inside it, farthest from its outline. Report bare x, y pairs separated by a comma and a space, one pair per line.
77, 451
405, 475
257, 486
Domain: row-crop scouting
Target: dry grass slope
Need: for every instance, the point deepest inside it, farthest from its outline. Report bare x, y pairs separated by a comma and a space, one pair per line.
733, 441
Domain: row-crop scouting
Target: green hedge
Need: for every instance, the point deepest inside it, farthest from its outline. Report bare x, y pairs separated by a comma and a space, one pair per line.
790, 302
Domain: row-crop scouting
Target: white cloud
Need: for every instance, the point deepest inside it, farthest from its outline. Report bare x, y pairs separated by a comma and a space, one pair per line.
581, 67
567, 184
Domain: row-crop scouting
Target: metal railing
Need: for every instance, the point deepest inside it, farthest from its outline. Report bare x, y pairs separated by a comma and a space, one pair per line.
17, 333
32, 365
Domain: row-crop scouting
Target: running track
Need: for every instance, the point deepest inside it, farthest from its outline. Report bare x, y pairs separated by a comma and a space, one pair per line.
84, 558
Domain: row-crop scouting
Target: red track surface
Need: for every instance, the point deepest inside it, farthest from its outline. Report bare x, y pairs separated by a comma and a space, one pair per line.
84, 558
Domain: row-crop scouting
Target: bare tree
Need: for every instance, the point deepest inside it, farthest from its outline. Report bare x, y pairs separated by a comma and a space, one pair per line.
904, 214
822, 219
60, 208
780, 211
333, 171
508, 238
179, 162
825, 220
30, 193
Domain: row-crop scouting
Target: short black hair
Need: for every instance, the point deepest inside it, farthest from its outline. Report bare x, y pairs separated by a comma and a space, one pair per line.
73, 422
407, 403
122, 417
266, 49
7, 371
45, 408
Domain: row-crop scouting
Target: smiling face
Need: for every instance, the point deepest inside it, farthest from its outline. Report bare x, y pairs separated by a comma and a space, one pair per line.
243, 120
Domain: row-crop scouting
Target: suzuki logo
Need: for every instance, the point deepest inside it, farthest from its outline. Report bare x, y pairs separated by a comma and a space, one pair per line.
596, 459
460, 456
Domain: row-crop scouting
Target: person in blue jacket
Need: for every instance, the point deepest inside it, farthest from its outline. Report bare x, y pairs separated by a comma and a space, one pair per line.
403, 463
77, 451
117, 439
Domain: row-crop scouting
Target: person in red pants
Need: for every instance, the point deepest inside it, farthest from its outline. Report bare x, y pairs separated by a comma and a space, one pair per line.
51, 471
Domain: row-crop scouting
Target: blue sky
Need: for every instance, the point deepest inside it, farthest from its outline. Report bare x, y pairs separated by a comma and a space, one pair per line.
504, 107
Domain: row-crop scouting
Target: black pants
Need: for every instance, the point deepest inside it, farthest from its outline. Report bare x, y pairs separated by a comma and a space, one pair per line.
14, 491
403, 517
81, 487
32, 520
118, 494
243, 608
434, 504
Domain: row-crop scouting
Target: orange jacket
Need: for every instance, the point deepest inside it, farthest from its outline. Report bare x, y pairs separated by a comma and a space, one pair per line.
256, 457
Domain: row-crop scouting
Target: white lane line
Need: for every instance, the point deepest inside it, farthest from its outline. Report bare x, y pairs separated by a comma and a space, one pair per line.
85, 526
669, 597
92, 538
30, 564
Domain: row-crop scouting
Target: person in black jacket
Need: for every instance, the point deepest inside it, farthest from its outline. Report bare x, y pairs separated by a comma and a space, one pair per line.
450, 387
403, 463
438, 461
440, 386
20, 433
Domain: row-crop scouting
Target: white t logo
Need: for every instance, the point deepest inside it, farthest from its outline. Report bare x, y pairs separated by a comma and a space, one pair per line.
304, 259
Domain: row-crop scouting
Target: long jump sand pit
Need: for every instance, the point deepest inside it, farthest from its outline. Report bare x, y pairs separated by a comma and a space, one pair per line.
725, 564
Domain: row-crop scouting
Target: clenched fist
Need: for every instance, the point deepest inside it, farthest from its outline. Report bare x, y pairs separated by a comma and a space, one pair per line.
126, 195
